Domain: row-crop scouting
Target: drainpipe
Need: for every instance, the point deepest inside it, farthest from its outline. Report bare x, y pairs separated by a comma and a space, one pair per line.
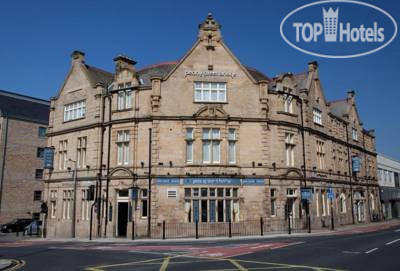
109, 96
350, 178
4, 158
366, 179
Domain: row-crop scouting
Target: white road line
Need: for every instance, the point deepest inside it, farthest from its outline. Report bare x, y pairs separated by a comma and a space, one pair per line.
391, 242
371, 250
288, 245
397, 230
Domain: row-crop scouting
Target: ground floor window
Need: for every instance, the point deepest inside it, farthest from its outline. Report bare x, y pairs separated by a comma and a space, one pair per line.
212, 204
67, 204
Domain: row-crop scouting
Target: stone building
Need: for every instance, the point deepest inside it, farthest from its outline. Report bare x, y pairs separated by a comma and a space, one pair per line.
227, 144
23, 123
389, 182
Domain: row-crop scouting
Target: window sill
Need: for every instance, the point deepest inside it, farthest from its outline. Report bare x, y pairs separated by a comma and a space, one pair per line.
320, 125
287, 113
122, 110
67, 121
209, 102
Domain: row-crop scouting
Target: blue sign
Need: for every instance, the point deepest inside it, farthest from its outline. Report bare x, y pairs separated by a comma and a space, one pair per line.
306, 194
48, 158
168, 181
331, 194
134, 193
253, 182
356, 163
211, 181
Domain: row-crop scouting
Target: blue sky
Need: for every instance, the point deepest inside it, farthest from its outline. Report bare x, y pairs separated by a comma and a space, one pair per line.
37, 38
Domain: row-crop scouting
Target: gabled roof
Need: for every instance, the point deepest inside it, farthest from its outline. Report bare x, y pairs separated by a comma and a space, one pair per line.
97, 75
14, 105
339, 108
164, 68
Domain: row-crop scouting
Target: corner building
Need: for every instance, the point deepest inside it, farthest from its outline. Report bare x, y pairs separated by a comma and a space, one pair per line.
227, 144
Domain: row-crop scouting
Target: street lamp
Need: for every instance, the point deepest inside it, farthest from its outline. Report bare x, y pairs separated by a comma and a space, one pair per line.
74, 203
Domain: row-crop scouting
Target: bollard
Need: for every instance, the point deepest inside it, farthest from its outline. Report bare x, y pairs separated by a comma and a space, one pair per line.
163, 230
262, 226
230, 228
197, 229
133, 230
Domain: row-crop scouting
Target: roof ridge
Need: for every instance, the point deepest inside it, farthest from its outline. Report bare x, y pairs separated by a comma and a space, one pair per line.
158, 64
23, 97
98, 69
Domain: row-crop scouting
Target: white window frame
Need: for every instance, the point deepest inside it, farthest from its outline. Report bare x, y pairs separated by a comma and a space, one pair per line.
63, 154
74, 111
212, 142
320, 154
81, 152
232, 145
124, 100
210, 92
287, 101
354, 134
123, 140
189, 145
289, 149
317, 116
342, 203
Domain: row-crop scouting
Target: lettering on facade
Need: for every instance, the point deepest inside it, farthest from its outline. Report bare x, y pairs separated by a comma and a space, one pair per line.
205, 74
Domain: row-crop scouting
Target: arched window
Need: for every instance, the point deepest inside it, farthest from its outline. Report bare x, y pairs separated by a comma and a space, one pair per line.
342, 203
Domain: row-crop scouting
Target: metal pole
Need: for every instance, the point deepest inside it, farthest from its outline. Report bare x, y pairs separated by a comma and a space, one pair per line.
91, 212
332, 218
149, 188
108, 164
74, 204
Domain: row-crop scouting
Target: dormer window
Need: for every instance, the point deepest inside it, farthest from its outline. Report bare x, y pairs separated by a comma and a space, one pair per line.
317, 116
124, 97
354, 134
210, 92
287, 100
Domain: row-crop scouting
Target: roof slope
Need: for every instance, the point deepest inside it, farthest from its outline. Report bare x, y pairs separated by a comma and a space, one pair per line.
23, 107
340, 108
97, 75
163, 68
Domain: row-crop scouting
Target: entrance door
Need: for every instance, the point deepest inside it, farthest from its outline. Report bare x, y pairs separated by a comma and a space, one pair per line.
122, 218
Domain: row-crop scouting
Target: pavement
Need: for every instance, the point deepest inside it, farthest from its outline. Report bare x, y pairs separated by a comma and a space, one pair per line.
374, 246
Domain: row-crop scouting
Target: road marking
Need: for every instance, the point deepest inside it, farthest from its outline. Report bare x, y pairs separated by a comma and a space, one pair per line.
397, 230
391, 242
287, 245
371, 250
351, 252
164, 264
238, 265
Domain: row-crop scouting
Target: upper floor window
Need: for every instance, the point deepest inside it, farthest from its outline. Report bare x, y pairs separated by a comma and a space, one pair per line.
287, 101
81, 152
123, 147
231, 146
42, 132
62, 154
39, 173
40, 152
37, 195
354, 134
124, 97
317, 116
211, 145
189, 145
75, 110
320, 154
289, 147
210, 92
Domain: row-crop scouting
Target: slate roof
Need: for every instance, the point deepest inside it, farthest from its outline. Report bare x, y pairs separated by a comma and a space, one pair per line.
97, 75
163, 68
23, 107
339, 108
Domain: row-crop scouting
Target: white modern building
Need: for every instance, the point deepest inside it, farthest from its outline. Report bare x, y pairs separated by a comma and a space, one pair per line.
389, 182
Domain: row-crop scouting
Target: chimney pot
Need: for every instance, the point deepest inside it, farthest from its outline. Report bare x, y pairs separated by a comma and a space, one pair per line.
78, 57
312, 66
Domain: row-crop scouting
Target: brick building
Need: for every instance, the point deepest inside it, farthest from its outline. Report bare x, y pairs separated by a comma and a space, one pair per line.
23, 123
227, 144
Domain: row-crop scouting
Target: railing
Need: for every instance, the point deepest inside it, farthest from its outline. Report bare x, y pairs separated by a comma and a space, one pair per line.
262, 226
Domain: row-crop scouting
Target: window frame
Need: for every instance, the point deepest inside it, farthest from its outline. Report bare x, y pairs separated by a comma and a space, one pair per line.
71, 110
317, 116
202, 88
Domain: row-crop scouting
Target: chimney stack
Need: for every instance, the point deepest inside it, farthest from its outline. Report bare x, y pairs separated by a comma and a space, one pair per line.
124, 62
312, 66
350, 95
78, 57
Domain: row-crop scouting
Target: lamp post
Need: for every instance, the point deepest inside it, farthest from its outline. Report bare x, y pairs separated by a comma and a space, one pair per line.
74, 203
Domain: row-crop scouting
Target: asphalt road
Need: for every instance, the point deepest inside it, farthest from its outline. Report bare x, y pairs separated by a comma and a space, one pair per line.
378, 250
